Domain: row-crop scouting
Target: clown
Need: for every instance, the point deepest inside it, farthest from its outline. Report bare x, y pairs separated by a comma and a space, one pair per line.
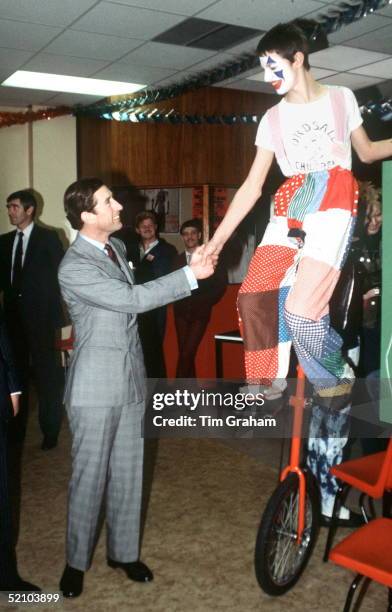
283, 301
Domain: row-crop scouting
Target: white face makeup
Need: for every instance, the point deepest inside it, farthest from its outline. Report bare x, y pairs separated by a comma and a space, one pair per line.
278, 71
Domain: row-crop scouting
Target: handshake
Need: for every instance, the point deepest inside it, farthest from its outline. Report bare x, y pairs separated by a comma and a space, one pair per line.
204, 260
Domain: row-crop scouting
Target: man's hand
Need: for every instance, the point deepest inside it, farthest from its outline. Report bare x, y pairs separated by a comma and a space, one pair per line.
211, 248
202, 266
15, 403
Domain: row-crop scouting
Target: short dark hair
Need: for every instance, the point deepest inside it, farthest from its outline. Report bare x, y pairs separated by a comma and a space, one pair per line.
145, 214
288, 38
78, 198
191, 223
26, 197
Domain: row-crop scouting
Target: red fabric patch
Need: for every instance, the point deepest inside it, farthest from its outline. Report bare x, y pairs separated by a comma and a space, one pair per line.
267, 268
261, 367
342, 191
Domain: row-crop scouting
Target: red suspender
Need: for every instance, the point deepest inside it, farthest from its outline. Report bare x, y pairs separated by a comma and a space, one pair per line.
338, 104
276, 131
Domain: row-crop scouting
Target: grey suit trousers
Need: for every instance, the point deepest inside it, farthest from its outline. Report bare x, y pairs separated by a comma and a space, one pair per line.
107, 450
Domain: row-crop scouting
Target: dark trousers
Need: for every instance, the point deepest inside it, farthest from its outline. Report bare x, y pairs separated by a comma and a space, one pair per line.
7, 553
152, 330
35, 347
190, 333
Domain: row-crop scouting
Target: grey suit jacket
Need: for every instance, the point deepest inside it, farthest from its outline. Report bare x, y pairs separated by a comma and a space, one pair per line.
107, 366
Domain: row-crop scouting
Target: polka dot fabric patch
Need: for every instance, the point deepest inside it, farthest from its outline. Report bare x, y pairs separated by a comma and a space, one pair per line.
261, 366
285, 193
267, 268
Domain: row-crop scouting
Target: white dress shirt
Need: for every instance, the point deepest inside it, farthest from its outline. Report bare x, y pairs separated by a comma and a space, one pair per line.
26, 237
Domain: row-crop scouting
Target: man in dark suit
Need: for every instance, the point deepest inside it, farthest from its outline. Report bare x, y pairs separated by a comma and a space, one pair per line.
192, 314
153, 260
30, 257
9, 406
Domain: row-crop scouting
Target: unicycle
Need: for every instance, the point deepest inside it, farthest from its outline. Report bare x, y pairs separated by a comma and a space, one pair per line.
290, 523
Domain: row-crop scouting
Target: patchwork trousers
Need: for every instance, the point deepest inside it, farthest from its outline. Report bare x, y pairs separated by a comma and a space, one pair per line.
284, 298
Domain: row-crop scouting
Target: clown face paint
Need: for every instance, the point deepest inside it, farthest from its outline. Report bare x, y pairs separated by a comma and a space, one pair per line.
278, 71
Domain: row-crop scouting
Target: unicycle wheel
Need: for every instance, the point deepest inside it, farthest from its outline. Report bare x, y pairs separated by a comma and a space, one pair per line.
279, 559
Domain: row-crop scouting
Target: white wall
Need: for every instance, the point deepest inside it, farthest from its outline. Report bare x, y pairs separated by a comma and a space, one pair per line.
14, 166
44, 160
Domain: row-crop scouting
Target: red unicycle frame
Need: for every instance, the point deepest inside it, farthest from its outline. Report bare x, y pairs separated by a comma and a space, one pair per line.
290, 521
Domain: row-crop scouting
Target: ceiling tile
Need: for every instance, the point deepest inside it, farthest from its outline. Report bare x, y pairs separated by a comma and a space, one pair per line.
47, 12
213, 62
175, 78
321, 73
62, 64
262, 15
127, 21
180, 7
69, 99
17, 96
381, 41
27, 36
167, 56
11, 60
353, 81
133, 73
362, 26
92, 46
344, 58
246, 47
381, 69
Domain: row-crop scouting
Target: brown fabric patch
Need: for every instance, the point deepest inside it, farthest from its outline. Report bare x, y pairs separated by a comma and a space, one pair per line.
259, 313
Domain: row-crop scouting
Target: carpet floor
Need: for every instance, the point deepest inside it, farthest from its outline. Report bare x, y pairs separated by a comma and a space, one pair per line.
205, 499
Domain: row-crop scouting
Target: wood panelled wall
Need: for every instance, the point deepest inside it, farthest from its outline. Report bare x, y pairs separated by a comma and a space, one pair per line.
147, 154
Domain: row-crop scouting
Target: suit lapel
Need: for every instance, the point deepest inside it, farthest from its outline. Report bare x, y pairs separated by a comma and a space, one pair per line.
123, 264
100, 257
31, 246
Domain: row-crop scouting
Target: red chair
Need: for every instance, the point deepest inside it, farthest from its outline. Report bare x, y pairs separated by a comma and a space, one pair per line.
372, 475
65, 345
367, 551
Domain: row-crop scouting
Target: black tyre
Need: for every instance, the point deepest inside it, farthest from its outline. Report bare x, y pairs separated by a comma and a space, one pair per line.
279, 560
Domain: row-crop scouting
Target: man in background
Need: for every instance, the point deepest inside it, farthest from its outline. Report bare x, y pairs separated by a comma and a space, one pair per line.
154, 259
192, 314
30, 257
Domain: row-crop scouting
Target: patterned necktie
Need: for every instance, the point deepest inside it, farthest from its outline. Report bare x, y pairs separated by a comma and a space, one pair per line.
111, 254
17, 268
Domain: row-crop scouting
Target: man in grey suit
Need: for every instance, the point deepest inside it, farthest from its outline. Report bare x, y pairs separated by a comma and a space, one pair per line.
105, 388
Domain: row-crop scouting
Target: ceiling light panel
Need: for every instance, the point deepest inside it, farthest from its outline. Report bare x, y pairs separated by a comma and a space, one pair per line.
59, 82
